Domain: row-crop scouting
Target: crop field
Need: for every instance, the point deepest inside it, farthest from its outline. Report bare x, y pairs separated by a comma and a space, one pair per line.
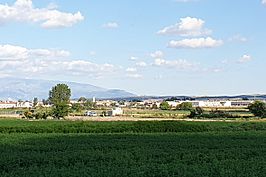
132, 149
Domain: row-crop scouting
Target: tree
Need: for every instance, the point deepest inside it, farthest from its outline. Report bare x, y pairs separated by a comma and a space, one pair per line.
59, 97
154, 106
35, 102
82, 100
89, 104
77, 107
187, 106
199, 110
164, 105
196, 112
258, 108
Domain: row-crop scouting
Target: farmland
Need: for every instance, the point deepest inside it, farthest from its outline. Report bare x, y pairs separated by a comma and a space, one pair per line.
166, 148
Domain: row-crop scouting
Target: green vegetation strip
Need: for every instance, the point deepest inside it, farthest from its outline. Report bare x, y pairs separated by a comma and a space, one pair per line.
23, 126
206, 154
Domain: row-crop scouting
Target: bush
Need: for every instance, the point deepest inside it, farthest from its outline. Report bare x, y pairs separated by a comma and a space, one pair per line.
186, 106
258, 108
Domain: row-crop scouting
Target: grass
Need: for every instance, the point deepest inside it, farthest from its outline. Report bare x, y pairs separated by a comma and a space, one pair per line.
132, 149
24, 126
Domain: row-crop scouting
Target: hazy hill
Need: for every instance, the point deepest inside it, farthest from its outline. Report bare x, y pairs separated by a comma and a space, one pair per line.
27, 89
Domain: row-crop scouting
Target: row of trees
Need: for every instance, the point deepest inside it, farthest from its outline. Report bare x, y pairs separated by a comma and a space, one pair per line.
186, 106
258, 108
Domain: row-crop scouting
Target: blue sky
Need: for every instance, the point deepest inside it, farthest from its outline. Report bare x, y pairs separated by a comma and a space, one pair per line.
148, 47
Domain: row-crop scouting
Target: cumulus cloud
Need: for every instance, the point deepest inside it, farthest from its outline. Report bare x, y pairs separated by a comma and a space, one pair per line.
133, 58
157, 54
12, 52
131, 69
176, 64
17, 60
263, 2
141, 64
134, 76
238, 38
111, 25
187, 26
245, 59
38, 67
24, 11
195, 43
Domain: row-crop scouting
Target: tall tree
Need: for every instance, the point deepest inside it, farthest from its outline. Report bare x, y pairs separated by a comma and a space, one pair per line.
35, 102
59, 97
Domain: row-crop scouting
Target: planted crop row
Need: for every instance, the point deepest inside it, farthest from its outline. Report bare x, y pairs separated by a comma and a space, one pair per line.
22, 126
239, 154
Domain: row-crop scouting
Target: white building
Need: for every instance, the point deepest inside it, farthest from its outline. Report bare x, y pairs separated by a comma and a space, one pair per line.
219, 103
115, 112
24, 104
7, 104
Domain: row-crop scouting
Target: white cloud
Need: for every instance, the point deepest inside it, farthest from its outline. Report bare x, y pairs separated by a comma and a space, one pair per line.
157, 54
20, 61
238, 38
11, 52
245, 59
187, 26
141, 64
24, 11
134, 76
111, 25
176, 64
195, 43
263, 2
48, 53
131, 69
39, 67
133, 58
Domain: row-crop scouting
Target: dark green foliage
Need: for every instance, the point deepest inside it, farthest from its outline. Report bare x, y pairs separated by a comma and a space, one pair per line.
186, 106
132, 149
35, 102
164, 105
197, 112
19, 126
60, 110
77, 107
134, 155
36, 115
258, 108
59, 96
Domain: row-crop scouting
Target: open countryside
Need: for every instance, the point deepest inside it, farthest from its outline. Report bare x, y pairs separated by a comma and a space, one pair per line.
115, 88
86, 137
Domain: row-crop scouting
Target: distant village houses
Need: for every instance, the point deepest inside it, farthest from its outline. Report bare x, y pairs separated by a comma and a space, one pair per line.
15, 104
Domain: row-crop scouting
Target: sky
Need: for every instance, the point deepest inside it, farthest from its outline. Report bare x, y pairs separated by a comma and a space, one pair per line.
147, 47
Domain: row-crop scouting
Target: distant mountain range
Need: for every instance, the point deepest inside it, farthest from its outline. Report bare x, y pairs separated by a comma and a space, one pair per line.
200, 98
27, 89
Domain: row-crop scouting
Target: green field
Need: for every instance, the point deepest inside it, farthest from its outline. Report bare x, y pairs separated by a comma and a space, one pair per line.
168, 148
